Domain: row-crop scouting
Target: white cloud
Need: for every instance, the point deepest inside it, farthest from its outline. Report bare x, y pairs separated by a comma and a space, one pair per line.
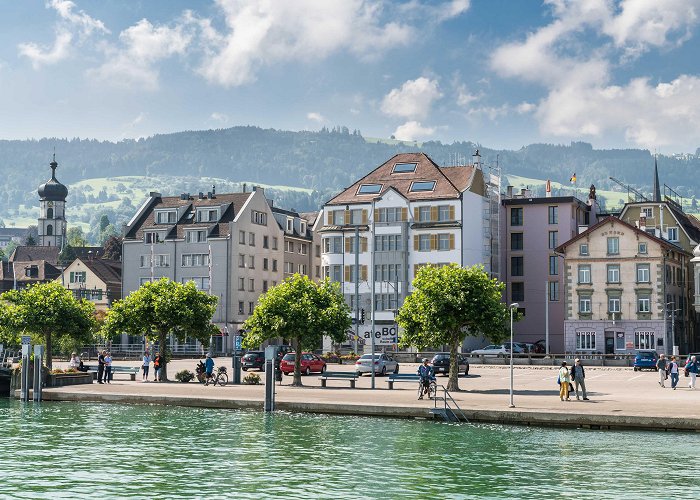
413, 100
413, 130
262, 32
315, 117
71, 27
140, 118
142, 45
464, 97
432, 11
219, 117
580, 99
452, 9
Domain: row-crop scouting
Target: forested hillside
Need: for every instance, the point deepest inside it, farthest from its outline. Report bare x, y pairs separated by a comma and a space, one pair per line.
323, 161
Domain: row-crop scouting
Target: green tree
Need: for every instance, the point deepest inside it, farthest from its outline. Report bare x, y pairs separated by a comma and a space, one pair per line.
448, 303
164, 307
30, 241
51, 314
107, 233
75, 237
67, 255
301, 310
112, 248
104, 222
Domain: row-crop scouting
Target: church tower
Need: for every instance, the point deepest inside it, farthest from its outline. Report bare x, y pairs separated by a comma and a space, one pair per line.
52, 215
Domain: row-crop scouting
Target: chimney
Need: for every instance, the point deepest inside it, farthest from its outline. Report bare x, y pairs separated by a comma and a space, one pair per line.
213, 189
548, 189
201, 195
210, 195
522, 192
509, 191
245, 186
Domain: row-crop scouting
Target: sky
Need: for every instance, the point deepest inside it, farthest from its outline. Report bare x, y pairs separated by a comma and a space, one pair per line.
502, 73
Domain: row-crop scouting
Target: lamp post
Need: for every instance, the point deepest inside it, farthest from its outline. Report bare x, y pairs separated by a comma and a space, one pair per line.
512, 307
673, 327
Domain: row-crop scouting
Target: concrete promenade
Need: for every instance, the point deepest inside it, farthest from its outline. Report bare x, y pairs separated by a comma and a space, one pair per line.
619, 397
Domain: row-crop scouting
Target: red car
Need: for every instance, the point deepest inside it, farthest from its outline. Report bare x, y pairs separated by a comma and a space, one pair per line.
309, 363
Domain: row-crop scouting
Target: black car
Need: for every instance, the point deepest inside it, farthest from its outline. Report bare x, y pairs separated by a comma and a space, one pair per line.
441, 363
253, 360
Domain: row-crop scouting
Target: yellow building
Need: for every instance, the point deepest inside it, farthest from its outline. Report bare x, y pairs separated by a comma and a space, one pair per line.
97, 280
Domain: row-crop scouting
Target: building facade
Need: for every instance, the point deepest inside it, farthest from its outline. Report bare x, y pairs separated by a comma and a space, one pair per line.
533, 227
97, 280
407, 213
618, 282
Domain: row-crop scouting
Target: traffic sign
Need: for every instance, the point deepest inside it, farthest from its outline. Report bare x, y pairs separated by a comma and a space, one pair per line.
26, 340
237, 342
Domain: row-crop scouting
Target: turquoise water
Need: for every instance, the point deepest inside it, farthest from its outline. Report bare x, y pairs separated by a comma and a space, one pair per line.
75, 450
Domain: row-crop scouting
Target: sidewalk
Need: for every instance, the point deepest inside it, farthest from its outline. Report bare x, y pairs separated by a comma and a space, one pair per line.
619, 397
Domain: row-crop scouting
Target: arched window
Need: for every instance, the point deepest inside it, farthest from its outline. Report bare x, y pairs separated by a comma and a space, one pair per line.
49, 213
49, 230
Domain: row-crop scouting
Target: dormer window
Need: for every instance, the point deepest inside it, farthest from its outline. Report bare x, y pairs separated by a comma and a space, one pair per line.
196, 236
207, 214
303, 228
290, 224
369, 188
153, 237
166, 216
403, 168
648, 212
420, 186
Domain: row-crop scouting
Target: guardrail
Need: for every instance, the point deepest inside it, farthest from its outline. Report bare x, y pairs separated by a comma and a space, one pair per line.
135, 351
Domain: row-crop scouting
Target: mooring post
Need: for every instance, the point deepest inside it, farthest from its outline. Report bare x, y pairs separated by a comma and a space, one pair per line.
24, 392
270, 356
38, 362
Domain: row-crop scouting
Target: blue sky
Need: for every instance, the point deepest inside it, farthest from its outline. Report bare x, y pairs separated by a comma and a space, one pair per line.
504, 73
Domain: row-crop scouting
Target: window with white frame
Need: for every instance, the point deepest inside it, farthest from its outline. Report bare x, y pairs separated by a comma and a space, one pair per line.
443, 241
584, 304
161, 260
274, 243
153, 237
613, 245
644, 304
387, 242
303, 250
644, 340
290, 224
303, 228
289, 267
424, 243
613, 273
195, 259
196, 236
289, 246
241, 260
585, 341
583, 249
443, 213
259, 218
302, 268
584, 274
251, 262
251, 285
241, 237
333, 244
643, 248
78, 277
643, 275
166, 216
391, 214
241, 284
648, 212
251, 239
672, 234
614, 304
207, 214
424, 214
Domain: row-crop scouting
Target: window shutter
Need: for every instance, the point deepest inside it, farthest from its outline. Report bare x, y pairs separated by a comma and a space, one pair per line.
363, 244
415, 242
72, 277
452, 241
433, 241
452, 212
364, 216
346, 271
433, 213
404, 214
376, 215
330, 218
348, 215
348, 245
363, 273
416, 216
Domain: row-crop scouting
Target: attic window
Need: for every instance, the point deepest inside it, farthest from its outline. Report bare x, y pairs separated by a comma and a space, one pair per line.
369, 188
402, 168
422, 186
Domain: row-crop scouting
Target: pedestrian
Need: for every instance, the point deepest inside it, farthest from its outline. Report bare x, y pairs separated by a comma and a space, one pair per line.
157, 366
74, 361
100, 366
662, 365
209, 368
108, 367
673, 371
146, 365
693, 368
564, 380
578, 375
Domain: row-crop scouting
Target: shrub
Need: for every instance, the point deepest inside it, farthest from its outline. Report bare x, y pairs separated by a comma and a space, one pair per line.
184, 376
71, 370
56, 371
251, 379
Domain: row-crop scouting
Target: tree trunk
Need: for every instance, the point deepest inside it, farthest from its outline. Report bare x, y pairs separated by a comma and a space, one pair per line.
162, 339
47, 340
297, 363
453, 382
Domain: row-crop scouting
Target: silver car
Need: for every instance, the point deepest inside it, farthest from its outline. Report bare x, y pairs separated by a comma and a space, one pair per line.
383, 364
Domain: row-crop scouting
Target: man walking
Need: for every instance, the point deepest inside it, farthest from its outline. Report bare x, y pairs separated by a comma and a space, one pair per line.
661, 365
578, 375
100, 366
693, 368
673, 371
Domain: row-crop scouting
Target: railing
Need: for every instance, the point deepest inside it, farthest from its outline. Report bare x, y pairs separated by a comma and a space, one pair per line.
447, 406
8, 356
135, 351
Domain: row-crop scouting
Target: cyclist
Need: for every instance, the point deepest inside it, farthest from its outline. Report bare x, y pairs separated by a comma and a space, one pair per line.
427, 375
209, 367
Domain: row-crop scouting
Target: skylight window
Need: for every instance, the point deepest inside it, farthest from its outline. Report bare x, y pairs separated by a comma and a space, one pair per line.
401, 168
369, 188
422, 186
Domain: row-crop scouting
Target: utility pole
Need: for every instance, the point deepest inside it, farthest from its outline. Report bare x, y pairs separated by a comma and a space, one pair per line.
357, 285
546, 318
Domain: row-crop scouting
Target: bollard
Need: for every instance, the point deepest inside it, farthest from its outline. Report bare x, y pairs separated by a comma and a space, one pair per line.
38, 362
24, 392
270, 357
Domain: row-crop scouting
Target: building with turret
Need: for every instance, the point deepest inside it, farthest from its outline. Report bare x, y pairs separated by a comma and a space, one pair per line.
52, 211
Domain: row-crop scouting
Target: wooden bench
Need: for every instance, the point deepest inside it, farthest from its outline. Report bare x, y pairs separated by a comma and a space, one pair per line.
130, 370
349, 376
401, 377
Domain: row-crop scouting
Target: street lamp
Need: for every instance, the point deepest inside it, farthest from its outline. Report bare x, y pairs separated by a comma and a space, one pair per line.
512, 307
672, 313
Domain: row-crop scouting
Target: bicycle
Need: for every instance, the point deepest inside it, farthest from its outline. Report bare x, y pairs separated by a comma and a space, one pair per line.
220, 378
432, 389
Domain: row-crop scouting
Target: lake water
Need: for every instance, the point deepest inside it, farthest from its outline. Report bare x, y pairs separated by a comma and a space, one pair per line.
77, 450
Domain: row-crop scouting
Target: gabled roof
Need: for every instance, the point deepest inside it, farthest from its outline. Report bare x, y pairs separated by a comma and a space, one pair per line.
689, 224
45, 271
36, 253
13, 231
109, 271
614, 220
450, 182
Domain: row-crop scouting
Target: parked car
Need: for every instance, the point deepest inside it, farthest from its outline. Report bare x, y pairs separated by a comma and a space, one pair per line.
310, 362
538, 347
253, 360
645, 359
441, 363
383, 364
500, 350
525, 347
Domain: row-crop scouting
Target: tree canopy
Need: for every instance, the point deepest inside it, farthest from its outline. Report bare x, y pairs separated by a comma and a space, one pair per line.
50, 314
164, 307
447, 304
301, 310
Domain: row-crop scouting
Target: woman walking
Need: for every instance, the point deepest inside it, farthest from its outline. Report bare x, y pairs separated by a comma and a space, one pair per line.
673, 370
157, 365
564, 380
693, 368
145, 366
